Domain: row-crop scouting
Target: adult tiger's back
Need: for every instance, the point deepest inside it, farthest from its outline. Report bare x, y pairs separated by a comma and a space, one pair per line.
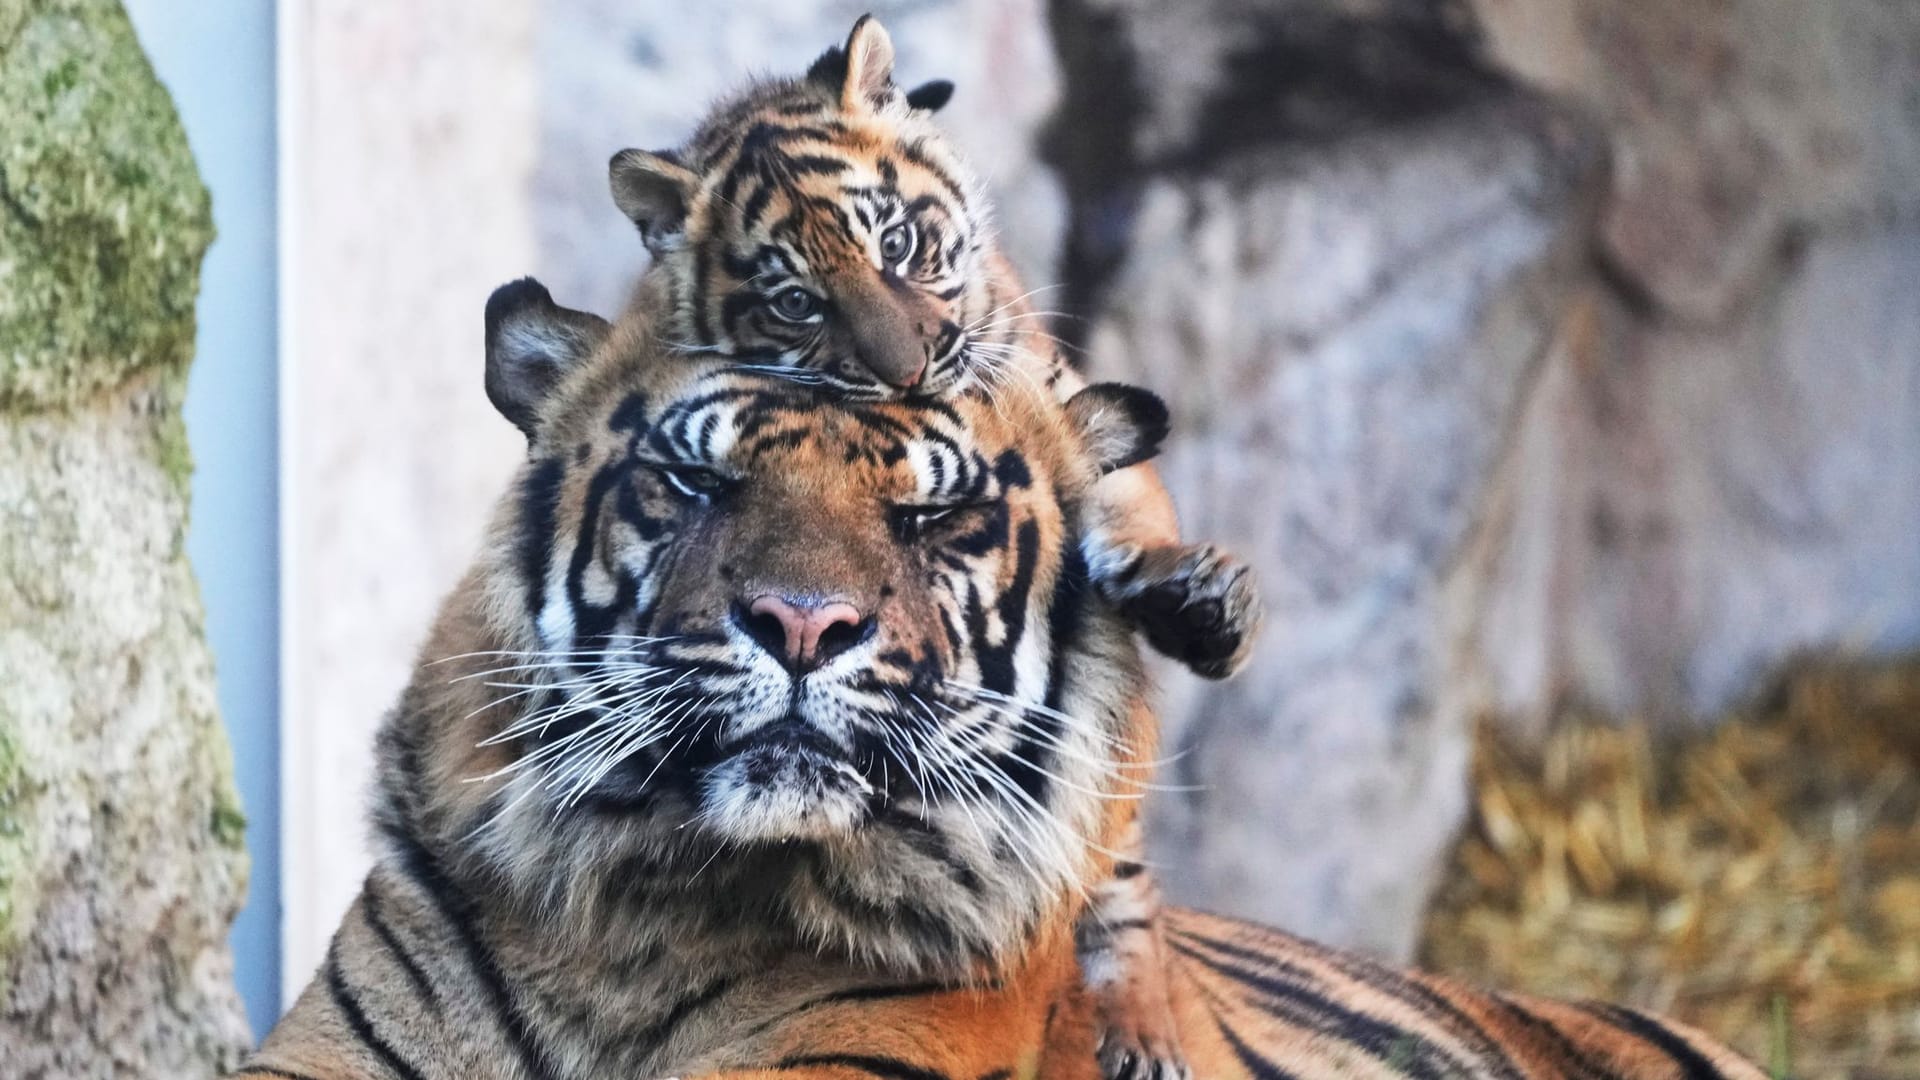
1259, 1004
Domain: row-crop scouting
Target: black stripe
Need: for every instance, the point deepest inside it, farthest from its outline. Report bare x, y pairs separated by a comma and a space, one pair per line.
757, 203
1693, 1065
1424, 1000
813, 165
1127, 924
884, 993
1557, 1042
349, 1006
858, 994
268, 1071
1066, 619
702, 268
592, 620
370, 906
873, 1065
914, 153
1428, 1003
423, 870
539, 503
997, 662
1288, 990
1250, 1059
662, 1029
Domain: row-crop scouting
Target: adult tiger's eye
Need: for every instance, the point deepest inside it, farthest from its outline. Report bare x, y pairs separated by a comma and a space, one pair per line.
911, 523
795, 304
700, 485
896, 244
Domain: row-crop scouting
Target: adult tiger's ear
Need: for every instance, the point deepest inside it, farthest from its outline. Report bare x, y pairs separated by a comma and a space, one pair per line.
931, 96
532, 343
654, 191
1121, 425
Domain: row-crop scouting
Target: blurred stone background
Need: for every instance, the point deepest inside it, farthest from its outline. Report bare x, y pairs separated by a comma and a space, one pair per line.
1543, 355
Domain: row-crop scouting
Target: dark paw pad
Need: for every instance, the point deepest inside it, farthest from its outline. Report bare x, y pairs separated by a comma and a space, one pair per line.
1198, 605
1124, 1060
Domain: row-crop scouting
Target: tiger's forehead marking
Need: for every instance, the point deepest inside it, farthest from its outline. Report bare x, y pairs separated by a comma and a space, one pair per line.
731, 420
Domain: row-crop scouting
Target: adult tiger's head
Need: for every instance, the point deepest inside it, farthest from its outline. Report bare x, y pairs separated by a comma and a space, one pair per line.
824, 223
748, 654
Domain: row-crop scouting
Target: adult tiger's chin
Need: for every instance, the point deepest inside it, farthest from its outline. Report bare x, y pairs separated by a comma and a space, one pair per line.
782, 790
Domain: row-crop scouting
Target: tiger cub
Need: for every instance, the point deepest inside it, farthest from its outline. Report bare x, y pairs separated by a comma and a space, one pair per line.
824, 228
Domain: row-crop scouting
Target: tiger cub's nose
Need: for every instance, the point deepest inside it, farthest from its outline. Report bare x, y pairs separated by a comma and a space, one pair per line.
803, 633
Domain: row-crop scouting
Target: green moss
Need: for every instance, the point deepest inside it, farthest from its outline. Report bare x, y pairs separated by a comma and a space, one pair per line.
103, 219
171, 449
227, 820
229, 823
13, 835
12, 14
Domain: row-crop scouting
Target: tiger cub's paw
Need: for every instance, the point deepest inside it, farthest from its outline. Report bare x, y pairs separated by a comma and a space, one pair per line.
1131, 1052
1198, 604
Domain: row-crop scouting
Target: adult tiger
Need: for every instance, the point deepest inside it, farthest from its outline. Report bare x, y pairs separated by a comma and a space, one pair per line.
770, 736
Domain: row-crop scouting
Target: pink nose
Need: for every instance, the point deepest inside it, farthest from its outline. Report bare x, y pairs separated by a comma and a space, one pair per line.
805, 634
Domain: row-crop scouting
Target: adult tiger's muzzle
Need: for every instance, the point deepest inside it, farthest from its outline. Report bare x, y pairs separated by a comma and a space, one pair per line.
804, 631
785, 782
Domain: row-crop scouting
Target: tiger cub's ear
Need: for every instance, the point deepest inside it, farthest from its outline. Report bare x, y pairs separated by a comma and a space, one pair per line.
654, 191
869, 75
532, 343
931, 96
1121, 425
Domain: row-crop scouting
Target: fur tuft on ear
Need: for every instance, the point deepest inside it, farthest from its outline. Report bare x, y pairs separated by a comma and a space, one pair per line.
654, 191
868, 78
1121, 425
931, 96
532, 343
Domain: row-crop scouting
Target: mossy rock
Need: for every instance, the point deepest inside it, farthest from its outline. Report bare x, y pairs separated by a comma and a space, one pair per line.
103, 219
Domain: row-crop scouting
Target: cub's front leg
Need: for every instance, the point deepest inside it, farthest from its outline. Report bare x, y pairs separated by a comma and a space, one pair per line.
1196, 603
1122, 961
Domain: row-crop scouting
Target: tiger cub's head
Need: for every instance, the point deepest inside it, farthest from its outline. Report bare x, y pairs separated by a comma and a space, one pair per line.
829, 667
822, 223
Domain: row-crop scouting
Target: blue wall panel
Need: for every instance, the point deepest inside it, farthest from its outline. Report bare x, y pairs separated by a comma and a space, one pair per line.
217, 58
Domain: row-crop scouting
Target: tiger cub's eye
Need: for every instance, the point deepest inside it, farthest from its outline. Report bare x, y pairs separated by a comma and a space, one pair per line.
896, 244
795, 304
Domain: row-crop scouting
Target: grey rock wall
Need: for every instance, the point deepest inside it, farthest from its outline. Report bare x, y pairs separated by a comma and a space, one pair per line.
121, 863
1346, 355
1726, 474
